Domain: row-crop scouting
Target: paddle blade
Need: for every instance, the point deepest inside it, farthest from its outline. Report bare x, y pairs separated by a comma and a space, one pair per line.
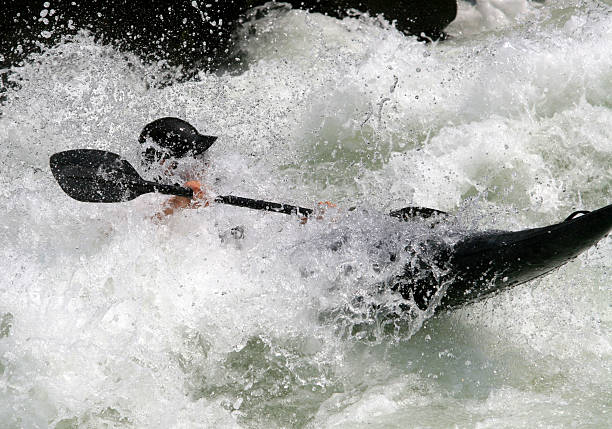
97, 176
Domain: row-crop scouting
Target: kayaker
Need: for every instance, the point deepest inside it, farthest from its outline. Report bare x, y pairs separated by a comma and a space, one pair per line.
166, 140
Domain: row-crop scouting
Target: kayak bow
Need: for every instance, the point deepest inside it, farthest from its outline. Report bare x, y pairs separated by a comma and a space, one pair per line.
486, 263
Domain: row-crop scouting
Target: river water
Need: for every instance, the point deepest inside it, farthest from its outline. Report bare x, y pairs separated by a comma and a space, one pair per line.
110, 319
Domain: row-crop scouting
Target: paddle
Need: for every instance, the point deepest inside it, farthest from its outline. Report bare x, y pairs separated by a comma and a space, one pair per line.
97, 176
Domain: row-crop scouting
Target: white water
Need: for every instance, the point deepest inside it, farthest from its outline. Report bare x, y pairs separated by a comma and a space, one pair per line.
107, 318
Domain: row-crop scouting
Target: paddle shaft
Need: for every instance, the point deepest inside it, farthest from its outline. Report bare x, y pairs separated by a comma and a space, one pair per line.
262, 205
233, 200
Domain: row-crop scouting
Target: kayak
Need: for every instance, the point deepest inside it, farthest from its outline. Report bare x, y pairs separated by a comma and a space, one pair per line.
486, 263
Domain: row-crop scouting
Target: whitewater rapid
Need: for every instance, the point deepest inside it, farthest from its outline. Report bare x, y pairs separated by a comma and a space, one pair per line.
110, 318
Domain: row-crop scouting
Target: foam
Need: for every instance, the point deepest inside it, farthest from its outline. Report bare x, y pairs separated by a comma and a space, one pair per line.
109, 318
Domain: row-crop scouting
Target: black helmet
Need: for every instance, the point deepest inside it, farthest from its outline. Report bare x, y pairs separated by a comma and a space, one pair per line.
173, 138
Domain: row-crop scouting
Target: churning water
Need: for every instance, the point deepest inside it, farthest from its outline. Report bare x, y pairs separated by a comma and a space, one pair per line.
109, 319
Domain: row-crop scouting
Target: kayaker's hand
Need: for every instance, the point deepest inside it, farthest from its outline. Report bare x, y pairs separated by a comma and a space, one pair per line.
201, 198
319, 211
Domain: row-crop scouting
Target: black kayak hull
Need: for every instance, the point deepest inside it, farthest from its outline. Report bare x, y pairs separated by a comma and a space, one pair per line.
485, 263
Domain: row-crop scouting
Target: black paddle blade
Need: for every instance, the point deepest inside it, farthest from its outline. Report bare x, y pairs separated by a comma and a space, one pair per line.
96, 176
